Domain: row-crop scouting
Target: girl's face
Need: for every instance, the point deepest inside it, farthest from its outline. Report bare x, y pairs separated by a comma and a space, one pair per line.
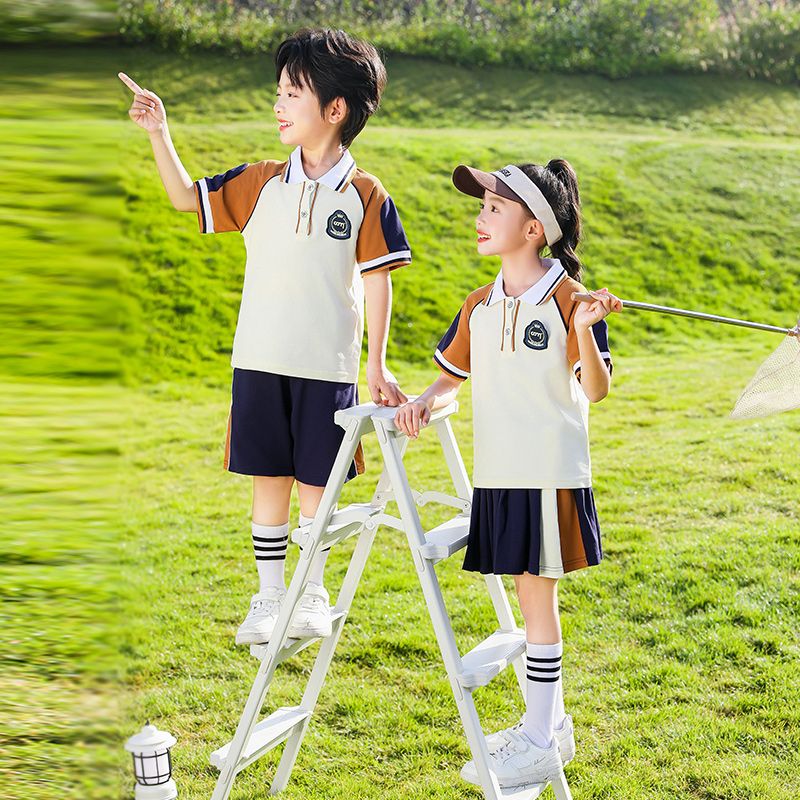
300, 121
504, 226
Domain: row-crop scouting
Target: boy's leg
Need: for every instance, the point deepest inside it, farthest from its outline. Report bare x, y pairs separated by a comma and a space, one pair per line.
313, 615
538, 599
310, 497
271, 496
270, 537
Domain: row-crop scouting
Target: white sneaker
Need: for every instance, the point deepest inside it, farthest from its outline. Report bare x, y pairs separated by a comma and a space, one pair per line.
565, 738
262, 616
519, 762
313, 614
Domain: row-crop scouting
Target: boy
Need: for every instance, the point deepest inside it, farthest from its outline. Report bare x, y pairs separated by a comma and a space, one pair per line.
320, 235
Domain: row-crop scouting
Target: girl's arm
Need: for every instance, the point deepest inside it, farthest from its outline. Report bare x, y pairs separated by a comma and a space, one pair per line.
411, 416
595, 377
148, 112
383, 387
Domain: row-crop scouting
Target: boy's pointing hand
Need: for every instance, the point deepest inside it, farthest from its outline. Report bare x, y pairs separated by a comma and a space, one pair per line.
147, 110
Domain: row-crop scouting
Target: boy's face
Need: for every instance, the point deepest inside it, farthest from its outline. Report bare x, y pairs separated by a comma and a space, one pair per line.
504, 226
300, 120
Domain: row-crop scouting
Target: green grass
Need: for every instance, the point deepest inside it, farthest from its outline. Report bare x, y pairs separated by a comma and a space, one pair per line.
126, 563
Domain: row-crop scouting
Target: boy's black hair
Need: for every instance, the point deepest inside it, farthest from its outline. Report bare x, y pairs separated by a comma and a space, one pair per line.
334, 64
559, 184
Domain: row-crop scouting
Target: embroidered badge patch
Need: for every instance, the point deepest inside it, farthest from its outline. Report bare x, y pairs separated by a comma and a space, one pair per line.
339, 226
536, 336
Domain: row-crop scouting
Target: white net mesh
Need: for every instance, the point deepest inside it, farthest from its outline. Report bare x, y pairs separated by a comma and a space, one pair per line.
776, 385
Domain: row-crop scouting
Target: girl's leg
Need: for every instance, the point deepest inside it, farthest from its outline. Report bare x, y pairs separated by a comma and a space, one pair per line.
309, 497
538, 599
271, 528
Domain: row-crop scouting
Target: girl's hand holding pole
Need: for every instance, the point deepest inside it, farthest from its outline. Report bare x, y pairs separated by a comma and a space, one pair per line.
587, 314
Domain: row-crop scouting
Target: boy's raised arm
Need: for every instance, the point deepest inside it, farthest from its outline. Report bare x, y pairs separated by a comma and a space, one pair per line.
147, 111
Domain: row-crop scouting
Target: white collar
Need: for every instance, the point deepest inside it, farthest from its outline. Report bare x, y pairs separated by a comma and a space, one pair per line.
535, 294
334, 178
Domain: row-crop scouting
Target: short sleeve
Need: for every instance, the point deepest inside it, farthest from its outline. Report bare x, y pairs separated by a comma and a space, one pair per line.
382, 242
600, 333
225, 202
452, 352
452, 355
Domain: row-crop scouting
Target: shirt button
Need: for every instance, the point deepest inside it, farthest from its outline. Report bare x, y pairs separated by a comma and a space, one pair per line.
304, 213
510, 303
312, 187
508, 331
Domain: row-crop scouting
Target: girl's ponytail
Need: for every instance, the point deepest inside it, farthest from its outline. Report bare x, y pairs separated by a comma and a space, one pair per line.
559, 184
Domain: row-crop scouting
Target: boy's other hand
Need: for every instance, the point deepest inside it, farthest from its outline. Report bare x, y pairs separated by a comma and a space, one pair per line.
411, 417
147, 110
383, 387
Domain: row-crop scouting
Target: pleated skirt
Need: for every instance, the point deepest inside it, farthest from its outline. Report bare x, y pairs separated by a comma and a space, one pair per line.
546, 532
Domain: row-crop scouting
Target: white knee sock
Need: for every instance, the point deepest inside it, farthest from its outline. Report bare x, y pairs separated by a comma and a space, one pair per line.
559, 712
318, 565
544, 671
269, 546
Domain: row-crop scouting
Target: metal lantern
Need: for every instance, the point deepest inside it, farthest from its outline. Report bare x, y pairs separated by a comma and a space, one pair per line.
152, 764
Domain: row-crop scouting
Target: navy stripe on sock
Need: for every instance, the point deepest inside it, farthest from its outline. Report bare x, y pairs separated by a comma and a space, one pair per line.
260, 548
271, 558
544, 669
544, 660
270, 539
544, 680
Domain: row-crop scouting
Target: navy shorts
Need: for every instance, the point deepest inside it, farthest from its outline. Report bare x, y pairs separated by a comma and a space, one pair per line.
283, 426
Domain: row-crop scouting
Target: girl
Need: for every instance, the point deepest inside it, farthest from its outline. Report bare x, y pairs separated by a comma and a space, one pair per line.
537, 358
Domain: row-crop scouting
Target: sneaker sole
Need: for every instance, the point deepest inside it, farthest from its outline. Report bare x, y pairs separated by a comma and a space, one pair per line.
251, 638
310, 633
508, 783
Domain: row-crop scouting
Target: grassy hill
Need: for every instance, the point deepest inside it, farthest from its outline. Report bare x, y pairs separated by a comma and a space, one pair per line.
126, 565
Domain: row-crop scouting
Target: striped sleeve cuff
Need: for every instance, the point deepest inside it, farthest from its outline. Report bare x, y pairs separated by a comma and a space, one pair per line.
604, 354
449, 368
204, 207
400, 258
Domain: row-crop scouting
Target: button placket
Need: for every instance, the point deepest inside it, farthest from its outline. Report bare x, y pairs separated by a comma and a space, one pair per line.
307, 204
510, 311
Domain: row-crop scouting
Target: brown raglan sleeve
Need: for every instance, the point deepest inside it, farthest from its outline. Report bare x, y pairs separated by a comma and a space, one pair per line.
225, 202
452, 354
567, 307
382, 241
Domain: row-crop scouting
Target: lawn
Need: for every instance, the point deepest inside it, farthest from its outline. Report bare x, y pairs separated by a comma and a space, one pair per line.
126, 564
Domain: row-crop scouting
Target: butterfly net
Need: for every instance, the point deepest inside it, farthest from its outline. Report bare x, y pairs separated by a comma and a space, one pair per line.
776, 385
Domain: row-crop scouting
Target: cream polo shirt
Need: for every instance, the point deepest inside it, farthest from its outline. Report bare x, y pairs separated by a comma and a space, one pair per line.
530, 415
308, 243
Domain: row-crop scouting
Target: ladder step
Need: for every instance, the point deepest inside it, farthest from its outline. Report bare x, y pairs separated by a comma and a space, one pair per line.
344, 523
294, 646
266, 734
445, 539
489, 658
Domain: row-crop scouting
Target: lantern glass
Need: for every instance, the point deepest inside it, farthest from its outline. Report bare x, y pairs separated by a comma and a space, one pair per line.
153, 769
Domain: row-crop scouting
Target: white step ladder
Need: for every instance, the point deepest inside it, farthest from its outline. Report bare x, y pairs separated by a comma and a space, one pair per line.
504, 647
